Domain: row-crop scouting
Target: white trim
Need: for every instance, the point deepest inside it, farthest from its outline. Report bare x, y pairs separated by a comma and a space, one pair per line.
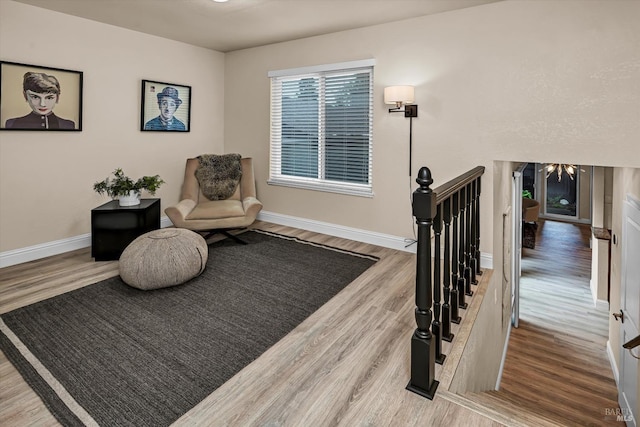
612, 361
323, 67
504, 357
359, 235
352, 189
486, 261
316, 165
601, 304
165, 222
31, 253
43, 250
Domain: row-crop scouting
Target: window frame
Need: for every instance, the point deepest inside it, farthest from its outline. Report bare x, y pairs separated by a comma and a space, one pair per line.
275, 153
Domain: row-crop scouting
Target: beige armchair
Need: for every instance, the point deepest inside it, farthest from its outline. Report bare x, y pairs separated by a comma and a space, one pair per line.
196, 212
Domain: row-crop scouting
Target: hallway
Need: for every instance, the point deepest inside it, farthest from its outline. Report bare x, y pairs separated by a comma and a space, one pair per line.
557, 371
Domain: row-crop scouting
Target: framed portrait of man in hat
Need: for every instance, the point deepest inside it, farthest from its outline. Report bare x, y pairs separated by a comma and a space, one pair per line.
166, 107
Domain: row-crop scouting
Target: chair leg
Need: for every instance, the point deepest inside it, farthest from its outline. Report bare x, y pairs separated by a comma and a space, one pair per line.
226, 234
233, 237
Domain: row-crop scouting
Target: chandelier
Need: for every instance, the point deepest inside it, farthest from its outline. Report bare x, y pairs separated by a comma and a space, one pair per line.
559, 168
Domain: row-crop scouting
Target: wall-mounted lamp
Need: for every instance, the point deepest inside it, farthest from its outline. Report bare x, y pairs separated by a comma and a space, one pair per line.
399, 96
403, 96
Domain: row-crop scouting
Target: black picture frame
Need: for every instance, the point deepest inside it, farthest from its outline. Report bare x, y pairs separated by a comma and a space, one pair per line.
152, 118
29, 94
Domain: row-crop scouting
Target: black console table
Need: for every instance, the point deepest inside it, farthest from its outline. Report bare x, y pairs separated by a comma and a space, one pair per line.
113, 226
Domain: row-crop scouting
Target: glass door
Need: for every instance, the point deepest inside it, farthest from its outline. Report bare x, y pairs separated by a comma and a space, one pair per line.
561, 195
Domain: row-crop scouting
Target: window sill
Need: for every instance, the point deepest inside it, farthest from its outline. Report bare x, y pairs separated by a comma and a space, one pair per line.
339, 188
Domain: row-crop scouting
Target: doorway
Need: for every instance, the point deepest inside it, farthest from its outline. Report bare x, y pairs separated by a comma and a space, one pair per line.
561, 196
564, 191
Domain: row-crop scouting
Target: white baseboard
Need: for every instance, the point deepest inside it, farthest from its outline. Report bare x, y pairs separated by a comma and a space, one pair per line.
43, 250
18, 256
486, 261
612, 361
165, 222
31, 253
597, 303
359, 235
504, 356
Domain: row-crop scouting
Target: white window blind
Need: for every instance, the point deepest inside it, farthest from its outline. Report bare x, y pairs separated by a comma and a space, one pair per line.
321, 128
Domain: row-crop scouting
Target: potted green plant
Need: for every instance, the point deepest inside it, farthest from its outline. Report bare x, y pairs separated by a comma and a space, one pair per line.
125, 189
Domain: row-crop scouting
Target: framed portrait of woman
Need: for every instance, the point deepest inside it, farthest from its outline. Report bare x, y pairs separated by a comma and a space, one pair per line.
165, 107
38, 98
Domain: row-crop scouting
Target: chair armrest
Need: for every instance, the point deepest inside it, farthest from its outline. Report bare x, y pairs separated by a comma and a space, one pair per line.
178, 213
251, 206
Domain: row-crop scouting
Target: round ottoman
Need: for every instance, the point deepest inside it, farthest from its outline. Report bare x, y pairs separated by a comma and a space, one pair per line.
163, 258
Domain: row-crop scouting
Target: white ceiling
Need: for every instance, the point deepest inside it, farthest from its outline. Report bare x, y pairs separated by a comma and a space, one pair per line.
240, 24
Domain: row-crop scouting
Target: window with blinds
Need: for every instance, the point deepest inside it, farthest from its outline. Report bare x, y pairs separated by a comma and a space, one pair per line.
321, 127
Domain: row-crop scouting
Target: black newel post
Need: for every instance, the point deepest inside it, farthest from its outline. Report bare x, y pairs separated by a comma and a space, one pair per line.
422, 347
436, 325
449, 303
462, 200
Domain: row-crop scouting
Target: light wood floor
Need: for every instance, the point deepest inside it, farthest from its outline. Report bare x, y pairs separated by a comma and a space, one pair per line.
556, 366
347, 364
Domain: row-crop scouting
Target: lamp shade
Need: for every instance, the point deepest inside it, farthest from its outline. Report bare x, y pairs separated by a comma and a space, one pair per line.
399, 95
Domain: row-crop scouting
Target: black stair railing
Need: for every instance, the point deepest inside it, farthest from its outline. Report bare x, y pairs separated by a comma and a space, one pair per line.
454, 207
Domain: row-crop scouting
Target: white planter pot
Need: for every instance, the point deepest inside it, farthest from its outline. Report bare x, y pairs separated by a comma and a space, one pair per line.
132, 199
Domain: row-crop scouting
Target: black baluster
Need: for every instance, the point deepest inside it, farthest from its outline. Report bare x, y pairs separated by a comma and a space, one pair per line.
478, 269
472, 241
450, 306
436, 325
461, 235
422, 349
467, 242
455, 295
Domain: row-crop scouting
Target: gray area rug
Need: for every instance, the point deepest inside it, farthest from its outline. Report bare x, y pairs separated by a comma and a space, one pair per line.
144, 358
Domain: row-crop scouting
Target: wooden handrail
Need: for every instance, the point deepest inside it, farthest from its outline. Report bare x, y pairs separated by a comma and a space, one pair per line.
445, 191
632, 343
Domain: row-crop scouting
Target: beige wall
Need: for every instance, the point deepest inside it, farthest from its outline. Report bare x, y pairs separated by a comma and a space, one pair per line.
46, 178
517, 80
536, 81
